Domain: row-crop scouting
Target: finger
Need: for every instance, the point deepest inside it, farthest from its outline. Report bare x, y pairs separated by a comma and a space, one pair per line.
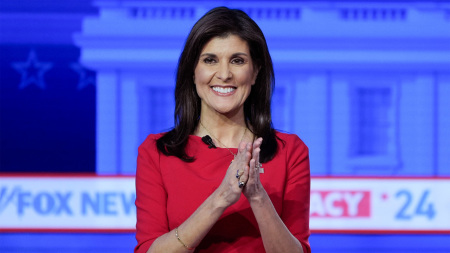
242, 181
251, 173
257, 143
247, 153
256, 155
239, 173
242, 146
240, 161
257, 151
241, 151
242, 158
249, 147
255, 169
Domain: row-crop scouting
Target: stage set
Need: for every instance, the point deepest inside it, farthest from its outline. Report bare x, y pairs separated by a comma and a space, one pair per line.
365, 84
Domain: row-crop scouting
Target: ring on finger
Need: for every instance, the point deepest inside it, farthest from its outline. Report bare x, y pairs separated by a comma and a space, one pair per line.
239, 173
241, 184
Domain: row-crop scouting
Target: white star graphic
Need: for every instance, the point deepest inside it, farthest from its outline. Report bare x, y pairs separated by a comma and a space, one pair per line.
32, 71
86, 76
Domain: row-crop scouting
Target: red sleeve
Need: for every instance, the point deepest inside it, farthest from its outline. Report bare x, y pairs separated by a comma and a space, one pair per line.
295, 212
151, 196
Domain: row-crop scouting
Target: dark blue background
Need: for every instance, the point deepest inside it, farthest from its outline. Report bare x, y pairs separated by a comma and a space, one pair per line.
51, 129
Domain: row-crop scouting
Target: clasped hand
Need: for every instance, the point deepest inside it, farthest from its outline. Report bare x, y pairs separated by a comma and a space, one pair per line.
244, 165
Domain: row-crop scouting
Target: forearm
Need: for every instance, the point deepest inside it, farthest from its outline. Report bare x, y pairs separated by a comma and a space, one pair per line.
275, 235
193, 230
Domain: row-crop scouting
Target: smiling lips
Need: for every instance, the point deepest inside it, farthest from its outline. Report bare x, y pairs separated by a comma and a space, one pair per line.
224, 91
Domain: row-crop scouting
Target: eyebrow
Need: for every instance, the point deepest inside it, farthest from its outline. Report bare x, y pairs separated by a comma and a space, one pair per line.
233, 55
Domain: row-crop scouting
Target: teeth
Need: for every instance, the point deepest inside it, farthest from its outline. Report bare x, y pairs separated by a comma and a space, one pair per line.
223, 90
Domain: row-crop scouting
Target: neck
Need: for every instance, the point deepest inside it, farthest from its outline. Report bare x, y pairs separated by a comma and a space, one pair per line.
226, 130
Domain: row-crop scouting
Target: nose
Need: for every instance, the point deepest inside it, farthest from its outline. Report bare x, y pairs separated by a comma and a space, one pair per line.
223, 72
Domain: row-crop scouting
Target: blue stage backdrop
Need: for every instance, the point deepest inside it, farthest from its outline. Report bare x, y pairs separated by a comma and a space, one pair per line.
47, 110
366, 85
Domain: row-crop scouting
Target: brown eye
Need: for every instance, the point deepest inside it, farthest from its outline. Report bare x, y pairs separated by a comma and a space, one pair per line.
209, 60
238, 61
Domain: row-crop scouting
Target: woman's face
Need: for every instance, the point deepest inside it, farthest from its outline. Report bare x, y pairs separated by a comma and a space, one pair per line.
224, 74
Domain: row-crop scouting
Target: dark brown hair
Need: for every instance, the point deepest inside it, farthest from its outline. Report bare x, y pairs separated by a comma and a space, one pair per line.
221, 22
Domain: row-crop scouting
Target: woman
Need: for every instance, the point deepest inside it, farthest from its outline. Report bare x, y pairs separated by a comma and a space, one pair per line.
190, 180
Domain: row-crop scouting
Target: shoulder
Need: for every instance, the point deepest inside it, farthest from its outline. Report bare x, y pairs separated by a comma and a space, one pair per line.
290, 141
148, 154
295, 152
292, 147
149, 144
151, 139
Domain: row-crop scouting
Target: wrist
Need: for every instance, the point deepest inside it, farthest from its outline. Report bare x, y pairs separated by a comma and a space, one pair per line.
260, 199
218, 202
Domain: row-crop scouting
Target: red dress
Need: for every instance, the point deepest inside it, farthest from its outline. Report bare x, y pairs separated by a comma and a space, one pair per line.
169, 190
